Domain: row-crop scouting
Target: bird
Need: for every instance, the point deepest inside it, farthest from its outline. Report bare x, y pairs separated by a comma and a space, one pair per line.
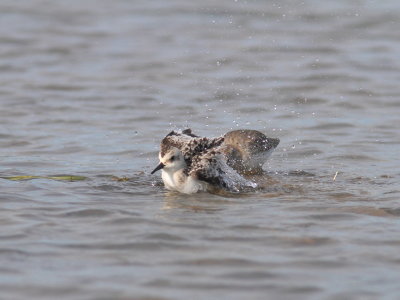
190, 163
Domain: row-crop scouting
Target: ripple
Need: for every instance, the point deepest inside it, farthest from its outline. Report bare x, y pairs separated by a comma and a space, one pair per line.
391, 211
250, 275
215, 262
13, 252
87, 213
164, 236
307, 101
59, 87
321, 264
354, 157
302, 153
131, 246
129, 221
349, 105
330, 126
332, 217
309, 241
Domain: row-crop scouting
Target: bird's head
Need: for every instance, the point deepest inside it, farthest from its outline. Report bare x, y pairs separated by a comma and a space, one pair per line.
172, 160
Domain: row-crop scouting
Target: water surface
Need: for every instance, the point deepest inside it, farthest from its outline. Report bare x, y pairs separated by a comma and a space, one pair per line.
89, 88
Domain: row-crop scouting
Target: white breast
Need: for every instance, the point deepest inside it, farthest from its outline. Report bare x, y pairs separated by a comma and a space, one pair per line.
177, 181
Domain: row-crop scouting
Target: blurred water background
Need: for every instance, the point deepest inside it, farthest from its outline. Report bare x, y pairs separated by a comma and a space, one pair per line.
89, 88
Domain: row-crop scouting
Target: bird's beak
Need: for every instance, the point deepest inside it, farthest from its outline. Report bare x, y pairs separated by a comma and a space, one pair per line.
160, 166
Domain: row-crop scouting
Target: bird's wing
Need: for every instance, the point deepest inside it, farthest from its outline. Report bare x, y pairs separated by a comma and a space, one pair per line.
191, 145
212, 168
248, 150
175, 139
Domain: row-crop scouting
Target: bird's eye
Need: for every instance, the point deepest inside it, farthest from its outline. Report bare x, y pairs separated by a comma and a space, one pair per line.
172, 158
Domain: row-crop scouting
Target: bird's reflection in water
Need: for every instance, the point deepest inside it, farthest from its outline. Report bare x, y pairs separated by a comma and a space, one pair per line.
268, 186
218, 199
199, 202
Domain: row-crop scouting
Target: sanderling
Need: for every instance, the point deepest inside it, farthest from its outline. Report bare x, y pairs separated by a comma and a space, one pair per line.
190, 163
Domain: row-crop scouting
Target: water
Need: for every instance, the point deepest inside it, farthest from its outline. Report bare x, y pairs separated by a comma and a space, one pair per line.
89, 88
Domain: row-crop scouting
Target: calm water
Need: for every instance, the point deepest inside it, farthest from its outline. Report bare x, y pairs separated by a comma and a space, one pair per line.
89, 88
